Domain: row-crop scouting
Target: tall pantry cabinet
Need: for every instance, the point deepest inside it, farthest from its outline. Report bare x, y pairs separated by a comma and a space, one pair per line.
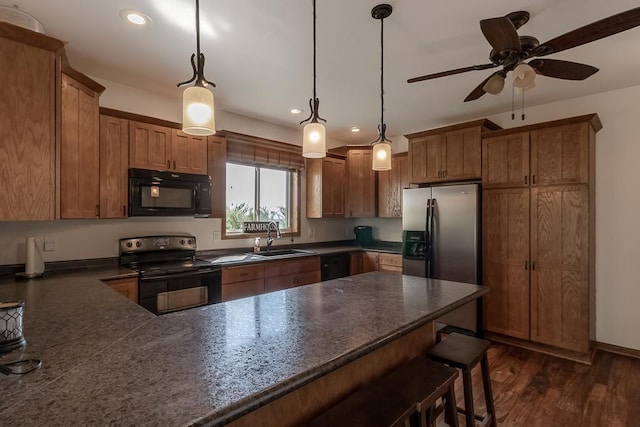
538, 229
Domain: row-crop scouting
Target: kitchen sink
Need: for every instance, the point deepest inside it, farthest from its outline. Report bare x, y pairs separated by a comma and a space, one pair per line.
283, 253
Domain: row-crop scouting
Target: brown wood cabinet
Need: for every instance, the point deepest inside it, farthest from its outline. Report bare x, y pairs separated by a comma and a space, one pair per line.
290, 273
325, 187
27, 129
217, 168
188, 153
242, 281
390, 262
369, 261
360, 196
538, 240
114, 165
390, 185
127, 287
355, 264
451, 153
149, 146
79, 165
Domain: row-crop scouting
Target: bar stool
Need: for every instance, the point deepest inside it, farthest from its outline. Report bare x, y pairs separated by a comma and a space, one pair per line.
464, 352
404, 397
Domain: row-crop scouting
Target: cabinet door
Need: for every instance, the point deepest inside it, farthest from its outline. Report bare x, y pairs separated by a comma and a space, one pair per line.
505, 161
461, 155
390, 185
114, 164
333, 187
505, 225
560, 155
188, 153
369, 262
361, 185
279, 283
217, 169
79, 151
245, 289
149, 146
308, 277
560, 259
127, 287
390, 262
26, 132
355, 266
425, 159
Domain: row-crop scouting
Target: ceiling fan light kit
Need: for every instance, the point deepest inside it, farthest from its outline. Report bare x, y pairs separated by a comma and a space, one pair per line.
381, 146
314, 144
198, 114
510, 50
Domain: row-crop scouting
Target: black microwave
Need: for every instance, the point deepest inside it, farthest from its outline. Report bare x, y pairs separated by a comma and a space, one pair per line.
154, 193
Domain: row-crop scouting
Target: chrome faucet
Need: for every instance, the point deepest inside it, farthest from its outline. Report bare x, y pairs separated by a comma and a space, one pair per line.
278, 235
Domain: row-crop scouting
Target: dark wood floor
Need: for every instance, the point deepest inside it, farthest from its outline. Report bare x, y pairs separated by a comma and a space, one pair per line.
533, 389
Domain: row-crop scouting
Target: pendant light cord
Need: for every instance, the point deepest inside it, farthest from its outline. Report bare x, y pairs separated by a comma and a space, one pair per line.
198, 28
382, 80
314, 50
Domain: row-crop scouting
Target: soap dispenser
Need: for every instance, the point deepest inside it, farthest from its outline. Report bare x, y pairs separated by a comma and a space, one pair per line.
256, 245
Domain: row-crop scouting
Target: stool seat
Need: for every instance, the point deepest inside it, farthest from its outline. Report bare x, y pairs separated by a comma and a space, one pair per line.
465, 352
459, 350
399, 398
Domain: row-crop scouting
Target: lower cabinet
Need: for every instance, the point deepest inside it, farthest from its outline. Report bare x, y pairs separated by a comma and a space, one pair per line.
381, 261
355, 266
242, 281
127, 287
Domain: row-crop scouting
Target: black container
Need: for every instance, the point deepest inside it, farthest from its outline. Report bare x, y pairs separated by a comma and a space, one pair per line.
364, 234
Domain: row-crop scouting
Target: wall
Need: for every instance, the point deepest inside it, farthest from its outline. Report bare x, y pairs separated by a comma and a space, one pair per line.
85, 239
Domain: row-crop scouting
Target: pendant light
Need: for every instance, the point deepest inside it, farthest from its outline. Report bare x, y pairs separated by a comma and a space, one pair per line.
314, 143
381, 146
198, 115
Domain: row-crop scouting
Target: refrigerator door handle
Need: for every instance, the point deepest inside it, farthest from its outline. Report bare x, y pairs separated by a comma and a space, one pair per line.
432, 228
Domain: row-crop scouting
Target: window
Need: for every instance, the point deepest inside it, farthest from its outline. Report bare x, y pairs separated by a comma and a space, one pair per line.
256, 193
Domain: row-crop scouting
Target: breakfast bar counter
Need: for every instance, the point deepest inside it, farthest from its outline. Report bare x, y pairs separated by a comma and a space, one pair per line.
282, 356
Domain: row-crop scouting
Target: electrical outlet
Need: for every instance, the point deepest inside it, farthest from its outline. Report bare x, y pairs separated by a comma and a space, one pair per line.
216, 236
49, 242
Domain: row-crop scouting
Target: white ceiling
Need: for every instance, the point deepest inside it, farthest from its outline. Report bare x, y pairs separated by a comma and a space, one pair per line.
259, 54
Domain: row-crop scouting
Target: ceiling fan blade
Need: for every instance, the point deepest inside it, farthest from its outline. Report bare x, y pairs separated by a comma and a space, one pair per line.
501, 34
479, 91
595, 31
562, 69
451, 72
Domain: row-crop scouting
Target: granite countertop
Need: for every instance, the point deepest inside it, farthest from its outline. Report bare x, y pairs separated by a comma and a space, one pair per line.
108, 361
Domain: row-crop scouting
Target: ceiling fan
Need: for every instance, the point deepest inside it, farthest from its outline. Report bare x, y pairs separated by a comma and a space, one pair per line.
510, 51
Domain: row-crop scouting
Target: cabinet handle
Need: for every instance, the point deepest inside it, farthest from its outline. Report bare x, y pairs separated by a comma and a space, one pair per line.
533, 179
444, 173
174, 165
244, 274
97, 210
439, 174
533, 265
168, 164
526, 265
526, 180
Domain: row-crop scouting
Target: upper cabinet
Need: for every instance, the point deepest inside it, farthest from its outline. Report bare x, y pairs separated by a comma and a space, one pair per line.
79, 151
188, 153
451, 153
27, 124
390, 185
553, 153
114, 164
360, 198
149, 146
325, 187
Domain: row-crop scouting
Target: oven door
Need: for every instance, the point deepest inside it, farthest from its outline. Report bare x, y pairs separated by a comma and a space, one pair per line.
171, 292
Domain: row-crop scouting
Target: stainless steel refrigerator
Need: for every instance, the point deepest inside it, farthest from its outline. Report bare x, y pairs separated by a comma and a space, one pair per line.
441, 239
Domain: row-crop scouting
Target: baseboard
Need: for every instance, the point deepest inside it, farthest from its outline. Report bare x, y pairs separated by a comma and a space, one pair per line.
624, 351
585, 358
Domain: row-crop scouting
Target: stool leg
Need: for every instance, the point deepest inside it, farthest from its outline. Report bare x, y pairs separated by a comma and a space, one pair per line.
451, 409
488, 394
469, 416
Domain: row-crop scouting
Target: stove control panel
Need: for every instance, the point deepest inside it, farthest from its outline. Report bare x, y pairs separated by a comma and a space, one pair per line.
157, 244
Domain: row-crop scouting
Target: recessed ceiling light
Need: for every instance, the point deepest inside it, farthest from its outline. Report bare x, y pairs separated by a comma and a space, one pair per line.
355, 129
296, 111
135, 17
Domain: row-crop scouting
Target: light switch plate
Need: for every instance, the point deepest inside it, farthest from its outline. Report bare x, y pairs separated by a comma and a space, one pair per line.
216, 236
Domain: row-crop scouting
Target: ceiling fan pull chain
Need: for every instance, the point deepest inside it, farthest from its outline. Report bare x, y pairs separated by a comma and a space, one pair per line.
523, 104
513, 102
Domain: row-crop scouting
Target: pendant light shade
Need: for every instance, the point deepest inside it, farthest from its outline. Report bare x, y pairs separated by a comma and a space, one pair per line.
198, 114
314, 144
381, 146
381, 156
314, 141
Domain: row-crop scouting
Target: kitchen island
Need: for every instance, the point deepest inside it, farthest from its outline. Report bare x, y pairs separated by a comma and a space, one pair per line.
296, 350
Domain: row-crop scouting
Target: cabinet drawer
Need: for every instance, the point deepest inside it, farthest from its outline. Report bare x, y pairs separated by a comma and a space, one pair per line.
238, 290
391, 260
242, 273
390, 268
280, 268
279, 283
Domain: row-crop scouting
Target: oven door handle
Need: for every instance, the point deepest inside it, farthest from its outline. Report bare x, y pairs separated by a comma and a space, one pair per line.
180, 275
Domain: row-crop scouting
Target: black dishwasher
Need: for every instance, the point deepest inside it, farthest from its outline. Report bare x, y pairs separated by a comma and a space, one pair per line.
334, 266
